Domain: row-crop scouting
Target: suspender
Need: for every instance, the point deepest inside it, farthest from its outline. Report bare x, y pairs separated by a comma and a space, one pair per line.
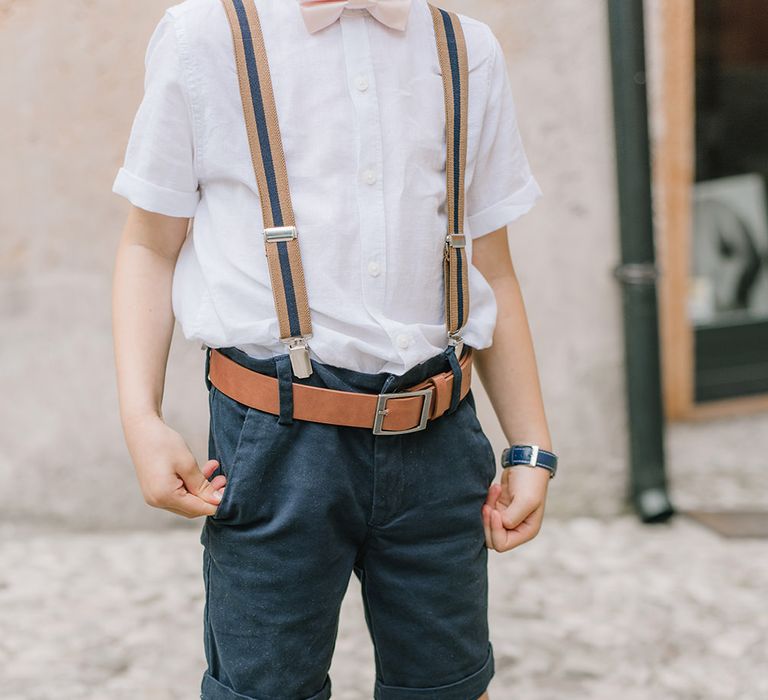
280, 233
452, 51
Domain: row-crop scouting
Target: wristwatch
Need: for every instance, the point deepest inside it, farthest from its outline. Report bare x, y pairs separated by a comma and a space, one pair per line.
530, 455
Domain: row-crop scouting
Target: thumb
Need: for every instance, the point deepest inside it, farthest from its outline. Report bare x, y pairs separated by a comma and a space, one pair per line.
196, 482
515, 513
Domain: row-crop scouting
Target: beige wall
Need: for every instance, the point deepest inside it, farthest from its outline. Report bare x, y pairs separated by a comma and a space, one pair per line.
71, 78
565, 248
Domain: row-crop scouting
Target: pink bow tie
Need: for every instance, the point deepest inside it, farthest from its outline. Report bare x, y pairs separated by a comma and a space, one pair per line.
320, 13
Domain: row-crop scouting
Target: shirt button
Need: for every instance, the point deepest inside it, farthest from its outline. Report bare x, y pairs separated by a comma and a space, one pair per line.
403, 341
369, 176
361, 83
373, 268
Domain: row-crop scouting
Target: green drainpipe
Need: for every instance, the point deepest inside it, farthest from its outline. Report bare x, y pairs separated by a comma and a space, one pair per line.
637, 271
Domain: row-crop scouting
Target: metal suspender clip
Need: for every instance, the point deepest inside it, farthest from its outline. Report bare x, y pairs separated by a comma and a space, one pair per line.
280, 233
299, 354
457, 341
456, 240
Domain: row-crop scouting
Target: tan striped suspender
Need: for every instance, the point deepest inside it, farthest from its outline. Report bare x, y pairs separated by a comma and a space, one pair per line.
452, 52
280, 233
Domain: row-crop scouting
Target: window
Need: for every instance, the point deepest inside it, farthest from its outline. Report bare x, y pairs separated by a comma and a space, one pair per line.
711, 177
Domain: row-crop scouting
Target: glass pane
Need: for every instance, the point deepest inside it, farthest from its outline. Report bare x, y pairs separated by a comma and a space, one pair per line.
729, 280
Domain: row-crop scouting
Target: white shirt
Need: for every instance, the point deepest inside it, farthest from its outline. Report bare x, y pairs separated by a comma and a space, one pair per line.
362, 117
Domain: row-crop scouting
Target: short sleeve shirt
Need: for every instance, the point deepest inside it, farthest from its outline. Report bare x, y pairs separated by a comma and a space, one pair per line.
362, 118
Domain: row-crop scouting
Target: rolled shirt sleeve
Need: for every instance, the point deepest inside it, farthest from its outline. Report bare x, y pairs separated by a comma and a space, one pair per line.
159, 173
502, 187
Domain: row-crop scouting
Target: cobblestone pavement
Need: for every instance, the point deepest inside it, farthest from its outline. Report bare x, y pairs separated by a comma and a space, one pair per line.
590, 609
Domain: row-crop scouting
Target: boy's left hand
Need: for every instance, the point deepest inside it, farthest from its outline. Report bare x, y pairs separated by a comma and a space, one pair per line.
514, 509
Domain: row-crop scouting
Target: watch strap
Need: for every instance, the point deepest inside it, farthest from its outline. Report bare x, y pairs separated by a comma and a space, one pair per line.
531, 455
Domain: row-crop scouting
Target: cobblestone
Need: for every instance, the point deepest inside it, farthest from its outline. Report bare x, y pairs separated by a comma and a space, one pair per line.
592, 609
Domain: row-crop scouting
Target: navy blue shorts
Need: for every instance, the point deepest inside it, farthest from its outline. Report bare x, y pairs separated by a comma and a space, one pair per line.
306, 505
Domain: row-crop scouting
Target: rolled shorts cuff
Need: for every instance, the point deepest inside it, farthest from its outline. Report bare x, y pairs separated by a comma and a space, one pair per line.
214, 690
470, 687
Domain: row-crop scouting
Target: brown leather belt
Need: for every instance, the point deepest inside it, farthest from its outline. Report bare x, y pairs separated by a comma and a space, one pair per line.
385, 414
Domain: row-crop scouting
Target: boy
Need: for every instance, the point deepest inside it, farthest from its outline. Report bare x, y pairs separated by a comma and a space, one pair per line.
326, 151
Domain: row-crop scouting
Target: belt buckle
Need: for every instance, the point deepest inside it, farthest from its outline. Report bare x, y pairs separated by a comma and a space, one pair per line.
381, 411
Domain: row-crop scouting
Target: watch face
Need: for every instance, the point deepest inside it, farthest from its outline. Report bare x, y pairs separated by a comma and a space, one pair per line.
505, 457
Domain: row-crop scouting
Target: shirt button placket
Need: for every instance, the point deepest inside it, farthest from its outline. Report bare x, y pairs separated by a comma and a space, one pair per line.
368, 128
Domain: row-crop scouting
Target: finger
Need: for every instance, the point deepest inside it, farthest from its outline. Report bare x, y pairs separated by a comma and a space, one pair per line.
191, 506
531, 526
209, 467
197, 484
218, 482
524, 532
486, 511
504, 539
494, 491
176, 511
516, 512
498, 532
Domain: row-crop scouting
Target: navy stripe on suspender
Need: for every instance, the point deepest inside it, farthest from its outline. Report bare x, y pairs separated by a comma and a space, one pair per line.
290, 292
269, 167
258, 113
460, 287
456, 78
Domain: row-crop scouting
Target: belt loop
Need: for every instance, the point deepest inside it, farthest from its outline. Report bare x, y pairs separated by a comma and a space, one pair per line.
285, 388
207, 367
456, 369
388, 382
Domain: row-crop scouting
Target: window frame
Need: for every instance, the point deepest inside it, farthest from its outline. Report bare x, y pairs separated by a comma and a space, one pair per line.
672, 110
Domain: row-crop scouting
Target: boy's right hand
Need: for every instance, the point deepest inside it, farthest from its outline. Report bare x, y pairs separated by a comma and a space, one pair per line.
168, 473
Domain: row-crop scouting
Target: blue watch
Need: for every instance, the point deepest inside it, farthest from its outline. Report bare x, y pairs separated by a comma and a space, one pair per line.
531, 455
